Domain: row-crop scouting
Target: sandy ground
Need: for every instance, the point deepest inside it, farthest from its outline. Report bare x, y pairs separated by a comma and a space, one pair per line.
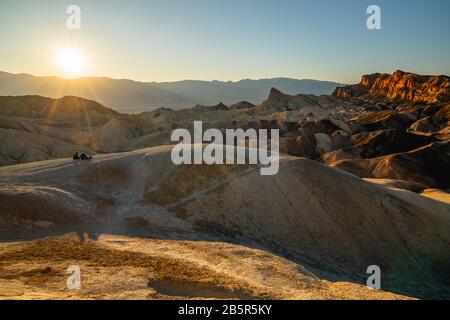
116, 267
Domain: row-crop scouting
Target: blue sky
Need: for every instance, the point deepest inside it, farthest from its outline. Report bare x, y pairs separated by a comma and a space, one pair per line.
228, 39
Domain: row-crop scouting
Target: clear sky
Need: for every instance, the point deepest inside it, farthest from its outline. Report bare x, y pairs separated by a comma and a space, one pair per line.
167, 40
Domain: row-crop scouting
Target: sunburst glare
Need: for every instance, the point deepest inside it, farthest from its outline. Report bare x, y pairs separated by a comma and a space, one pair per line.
71, 61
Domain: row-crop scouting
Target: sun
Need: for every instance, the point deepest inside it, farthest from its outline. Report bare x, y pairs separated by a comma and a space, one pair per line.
71, 61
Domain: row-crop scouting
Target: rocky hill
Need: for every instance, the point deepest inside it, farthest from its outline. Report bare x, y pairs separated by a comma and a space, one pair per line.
385, 127
216, 231
399, 86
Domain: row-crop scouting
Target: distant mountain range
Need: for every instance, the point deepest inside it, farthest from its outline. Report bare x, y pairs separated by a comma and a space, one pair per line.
133, 96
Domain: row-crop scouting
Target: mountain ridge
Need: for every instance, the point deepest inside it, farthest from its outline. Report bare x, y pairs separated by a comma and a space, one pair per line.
131, 96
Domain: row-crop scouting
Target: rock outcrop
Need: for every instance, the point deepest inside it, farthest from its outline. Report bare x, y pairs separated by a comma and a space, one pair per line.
279, 101
427, 165
400, 85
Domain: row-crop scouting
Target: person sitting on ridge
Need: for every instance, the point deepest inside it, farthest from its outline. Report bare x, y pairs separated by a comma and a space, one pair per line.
84, 156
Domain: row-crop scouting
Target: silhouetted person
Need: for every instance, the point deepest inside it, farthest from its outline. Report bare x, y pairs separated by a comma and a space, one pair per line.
84, 156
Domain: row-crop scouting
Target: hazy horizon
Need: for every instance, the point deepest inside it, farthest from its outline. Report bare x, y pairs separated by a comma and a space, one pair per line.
162, 82
167, 41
